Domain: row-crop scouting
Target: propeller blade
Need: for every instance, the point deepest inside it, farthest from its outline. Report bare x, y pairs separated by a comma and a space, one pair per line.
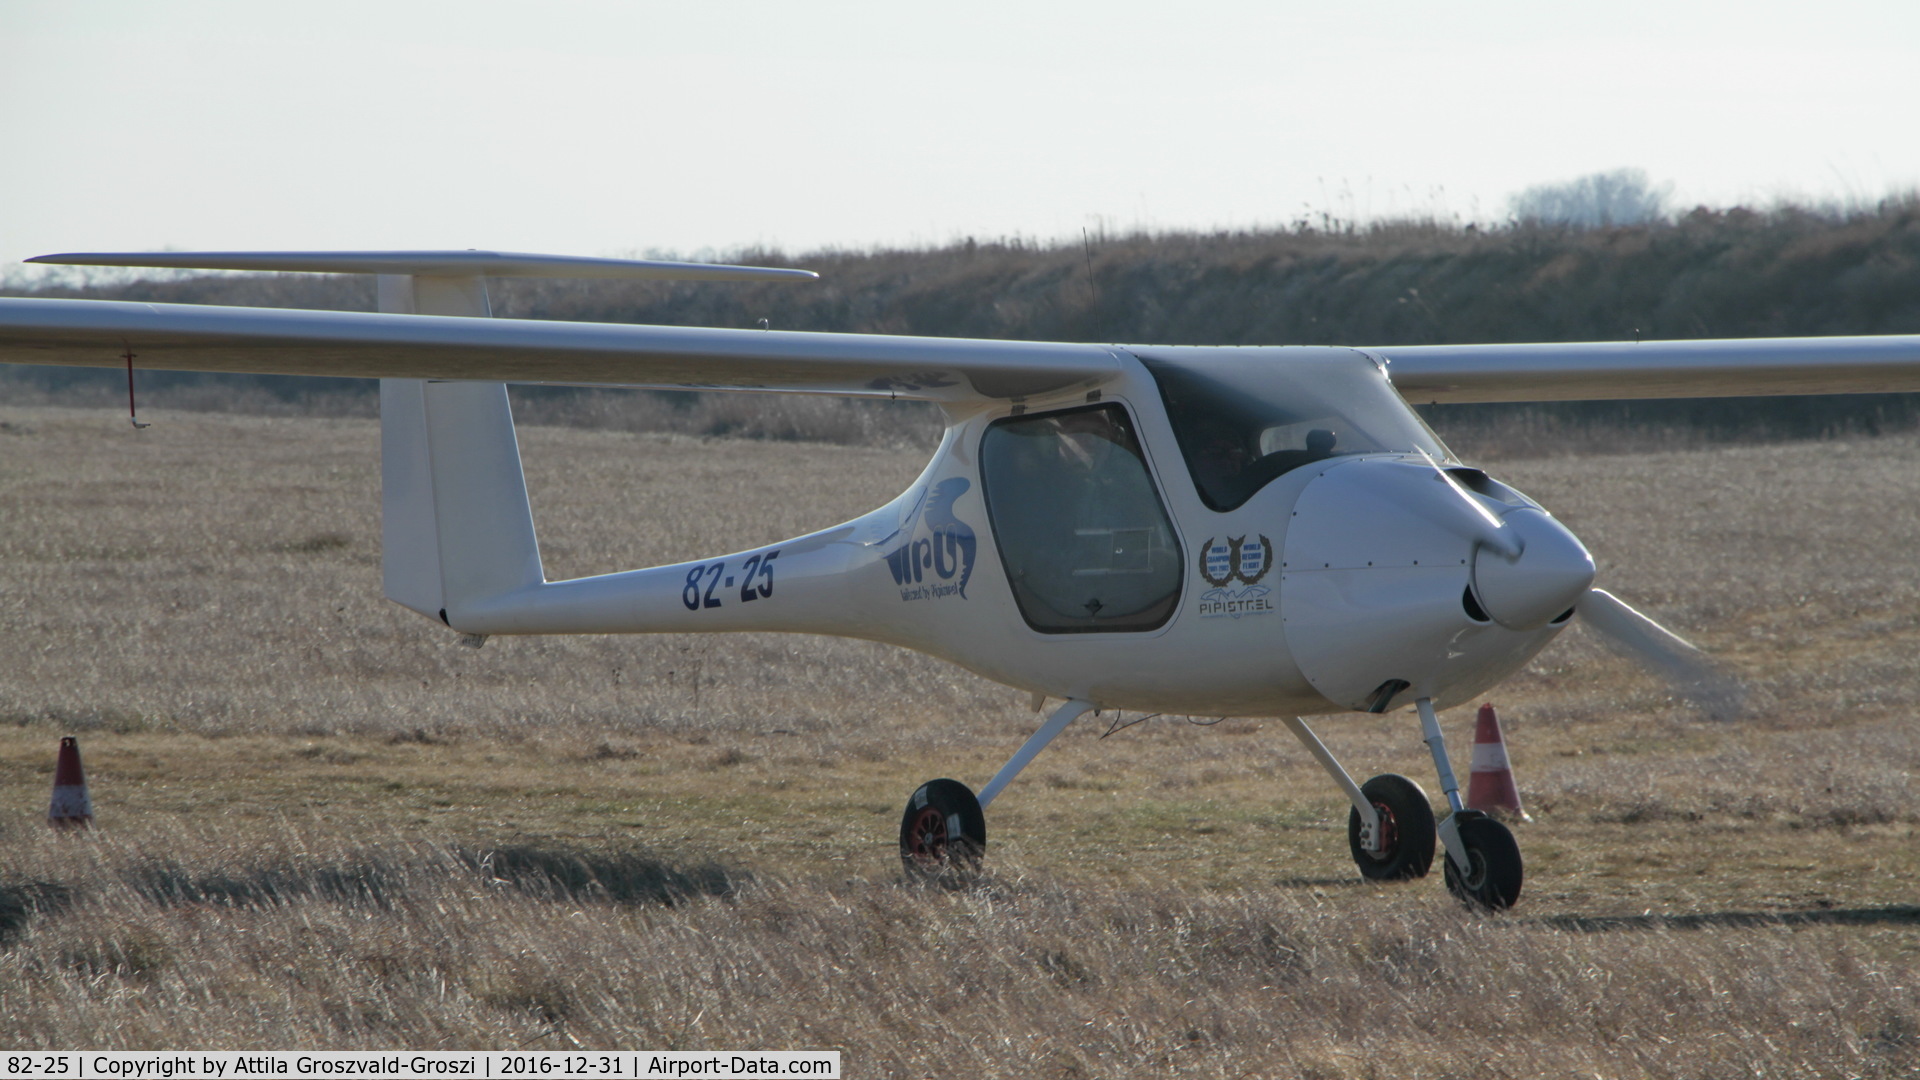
1477, 522
1661, 650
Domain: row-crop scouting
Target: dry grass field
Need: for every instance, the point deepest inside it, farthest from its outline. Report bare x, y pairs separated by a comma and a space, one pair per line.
322, 822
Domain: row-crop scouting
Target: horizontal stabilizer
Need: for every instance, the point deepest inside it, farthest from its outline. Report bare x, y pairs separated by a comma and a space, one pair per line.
469, 263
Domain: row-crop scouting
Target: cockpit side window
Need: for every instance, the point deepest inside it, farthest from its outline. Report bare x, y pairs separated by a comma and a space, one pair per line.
1081, 529
1241, 422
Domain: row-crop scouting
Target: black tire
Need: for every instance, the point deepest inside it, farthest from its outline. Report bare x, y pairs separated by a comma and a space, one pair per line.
1407, 820
943, 830
1494, 871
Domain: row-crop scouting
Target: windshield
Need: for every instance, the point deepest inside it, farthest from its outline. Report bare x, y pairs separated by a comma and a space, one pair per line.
1246, 416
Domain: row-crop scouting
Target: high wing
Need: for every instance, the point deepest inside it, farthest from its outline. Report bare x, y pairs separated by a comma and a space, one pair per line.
445, 284
1740, 367
94, 333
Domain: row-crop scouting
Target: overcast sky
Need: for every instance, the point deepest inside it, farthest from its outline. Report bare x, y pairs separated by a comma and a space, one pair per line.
613, 128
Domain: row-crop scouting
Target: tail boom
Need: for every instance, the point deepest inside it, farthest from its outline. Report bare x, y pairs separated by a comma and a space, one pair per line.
799, 585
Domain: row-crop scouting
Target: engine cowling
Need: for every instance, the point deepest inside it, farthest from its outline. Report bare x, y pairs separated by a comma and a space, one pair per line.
1382, 583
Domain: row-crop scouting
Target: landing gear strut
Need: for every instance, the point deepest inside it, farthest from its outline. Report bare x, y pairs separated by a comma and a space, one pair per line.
1392, 832
945, 826
1483, 862
1390, 827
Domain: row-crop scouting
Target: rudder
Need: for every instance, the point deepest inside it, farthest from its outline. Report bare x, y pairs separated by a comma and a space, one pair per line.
456, 526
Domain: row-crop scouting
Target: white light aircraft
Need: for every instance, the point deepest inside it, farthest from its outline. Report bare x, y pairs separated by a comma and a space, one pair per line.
1192, 530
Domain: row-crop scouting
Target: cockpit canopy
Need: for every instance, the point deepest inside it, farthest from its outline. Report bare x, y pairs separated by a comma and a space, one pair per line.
1245, 416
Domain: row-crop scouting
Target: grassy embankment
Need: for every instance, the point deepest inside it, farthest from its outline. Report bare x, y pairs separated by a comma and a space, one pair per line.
324, 823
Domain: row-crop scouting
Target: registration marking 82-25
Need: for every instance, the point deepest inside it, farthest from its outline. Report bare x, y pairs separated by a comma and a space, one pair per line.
755, 579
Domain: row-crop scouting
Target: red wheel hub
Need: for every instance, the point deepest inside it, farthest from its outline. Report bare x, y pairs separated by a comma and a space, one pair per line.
928, 838
1389, 831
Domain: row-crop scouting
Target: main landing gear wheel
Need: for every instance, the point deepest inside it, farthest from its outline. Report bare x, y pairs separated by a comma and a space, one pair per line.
942, 830
1493, 872
1406, 820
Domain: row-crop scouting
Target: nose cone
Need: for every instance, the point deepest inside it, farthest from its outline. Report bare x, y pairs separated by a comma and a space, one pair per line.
1526, 592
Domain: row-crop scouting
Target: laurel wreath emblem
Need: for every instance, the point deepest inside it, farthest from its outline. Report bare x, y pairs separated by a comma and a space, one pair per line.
1235, 565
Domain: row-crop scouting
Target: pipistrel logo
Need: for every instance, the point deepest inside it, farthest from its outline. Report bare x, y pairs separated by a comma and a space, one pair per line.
1236, 559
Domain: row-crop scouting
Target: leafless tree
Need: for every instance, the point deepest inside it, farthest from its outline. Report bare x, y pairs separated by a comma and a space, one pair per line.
1595, 201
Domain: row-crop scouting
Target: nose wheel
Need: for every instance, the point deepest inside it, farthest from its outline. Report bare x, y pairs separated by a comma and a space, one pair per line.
942, 830
1493, 873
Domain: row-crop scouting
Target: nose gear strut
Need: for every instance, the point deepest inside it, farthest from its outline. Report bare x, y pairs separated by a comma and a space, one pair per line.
1483, 862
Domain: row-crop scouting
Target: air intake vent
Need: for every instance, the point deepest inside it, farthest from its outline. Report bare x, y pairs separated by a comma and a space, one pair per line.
1480, 483
1472, 604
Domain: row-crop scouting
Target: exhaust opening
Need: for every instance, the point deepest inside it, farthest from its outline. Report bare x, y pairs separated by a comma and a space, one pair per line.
1383, 694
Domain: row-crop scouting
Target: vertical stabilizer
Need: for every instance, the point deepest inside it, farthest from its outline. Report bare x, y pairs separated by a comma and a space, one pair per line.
456, 527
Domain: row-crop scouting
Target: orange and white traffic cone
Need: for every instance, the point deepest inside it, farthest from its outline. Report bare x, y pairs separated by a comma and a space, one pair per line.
1490, 786
72, 808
